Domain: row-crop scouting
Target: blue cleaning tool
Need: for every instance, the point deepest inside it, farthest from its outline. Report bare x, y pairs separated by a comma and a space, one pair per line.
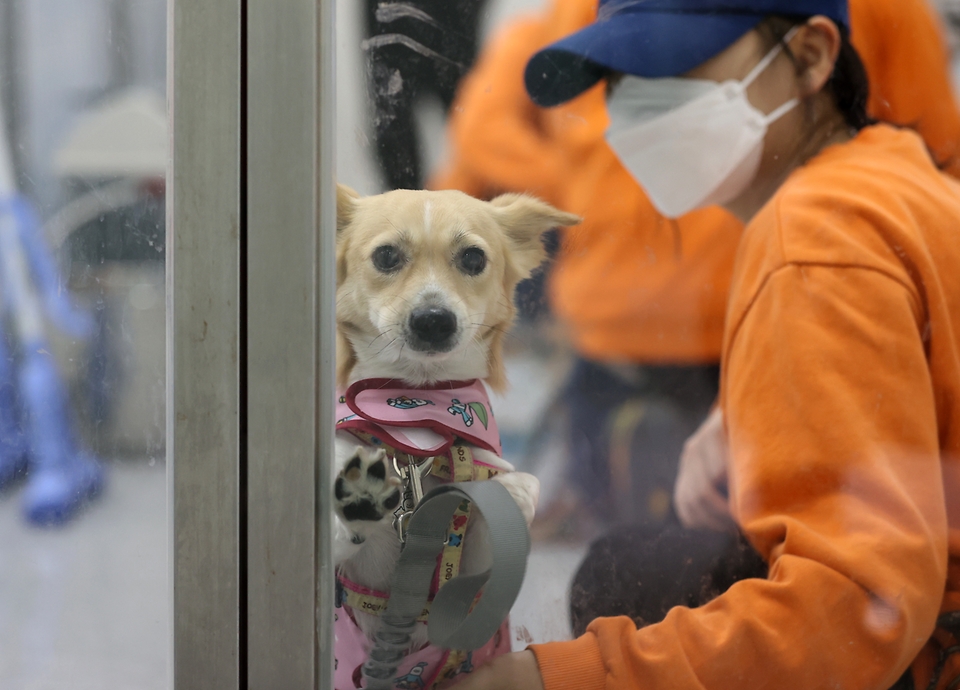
37, 439
13, 442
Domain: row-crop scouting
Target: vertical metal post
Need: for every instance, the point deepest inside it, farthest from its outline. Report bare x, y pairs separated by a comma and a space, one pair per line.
204, 343
325, 355
290, 325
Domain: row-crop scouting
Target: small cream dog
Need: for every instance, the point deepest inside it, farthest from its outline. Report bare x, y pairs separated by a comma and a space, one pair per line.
425, 284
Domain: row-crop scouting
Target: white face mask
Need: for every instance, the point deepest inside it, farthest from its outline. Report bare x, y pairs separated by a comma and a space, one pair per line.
690, 143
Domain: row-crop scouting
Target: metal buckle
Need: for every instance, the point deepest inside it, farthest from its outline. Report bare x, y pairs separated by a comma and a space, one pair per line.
411, 492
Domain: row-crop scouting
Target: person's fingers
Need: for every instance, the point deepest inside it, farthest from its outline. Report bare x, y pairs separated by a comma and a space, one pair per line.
685, 497
697, 498
684, 502
517, 671
691, 515
692, 482
687, 509
706, 515
716, 511
698, 515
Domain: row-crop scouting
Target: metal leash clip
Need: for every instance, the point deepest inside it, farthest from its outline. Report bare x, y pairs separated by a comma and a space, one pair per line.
411, 492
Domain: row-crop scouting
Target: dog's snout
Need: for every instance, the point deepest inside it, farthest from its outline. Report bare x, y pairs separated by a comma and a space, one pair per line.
433, 328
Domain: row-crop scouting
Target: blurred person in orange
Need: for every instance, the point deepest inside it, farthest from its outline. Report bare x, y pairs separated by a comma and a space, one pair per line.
840, 355
641, 296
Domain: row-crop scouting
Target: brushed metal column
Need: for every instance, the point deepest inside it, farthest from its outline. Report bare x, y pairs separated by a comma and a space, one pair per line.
290, 326
204, 347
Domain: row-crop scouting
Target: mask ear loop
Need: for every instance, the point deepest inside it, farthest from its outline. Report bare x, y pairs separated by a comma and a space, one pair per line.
782, 110
762, 65
768, 58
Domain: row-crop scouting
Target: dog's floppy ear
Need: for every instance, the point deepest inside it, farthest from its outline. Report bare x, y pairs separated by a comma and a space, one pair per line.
346, 359
346, 208
524, 219
346, 205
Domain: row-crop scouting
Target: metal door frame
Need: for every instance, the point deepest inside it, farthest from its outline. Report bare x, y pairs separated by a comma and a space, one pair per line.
250, 342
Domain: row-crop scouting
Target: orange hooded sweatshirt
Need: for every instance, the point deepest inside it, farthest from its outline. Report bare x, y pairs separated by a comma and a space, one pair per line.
629, 284
841, 395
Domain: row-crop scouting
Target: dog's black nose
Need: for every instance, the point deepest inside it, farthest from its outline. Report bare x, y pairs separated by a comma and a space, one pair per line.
432, 328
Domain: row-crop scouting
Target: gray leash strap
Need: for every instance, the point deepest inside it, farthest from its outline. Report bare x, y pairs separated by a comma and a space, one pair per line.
452, 625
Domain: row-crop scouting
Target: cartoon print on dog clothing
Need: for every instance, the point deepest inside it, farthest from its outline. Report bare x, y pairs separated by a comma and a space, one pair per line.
467, 410
406, 403
413, 680
467, 665
431, 422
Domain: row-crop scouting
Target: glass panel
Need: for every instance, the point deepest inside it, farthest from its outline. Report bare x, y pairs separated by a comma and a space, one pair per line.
84, 598
660, 489
399, 68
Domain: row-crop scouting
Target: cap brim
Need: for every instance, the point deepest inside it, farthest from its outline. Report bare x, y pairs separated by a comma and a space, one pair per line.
645, 44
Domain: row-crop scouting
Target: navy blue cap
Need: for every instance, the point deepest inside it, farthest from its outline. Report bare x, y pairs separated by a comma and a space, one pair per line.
654, 38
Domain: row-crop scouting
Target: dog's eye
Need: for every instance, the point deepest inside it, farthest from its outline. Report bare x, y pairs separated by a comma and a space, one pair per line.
473, 261
387, 258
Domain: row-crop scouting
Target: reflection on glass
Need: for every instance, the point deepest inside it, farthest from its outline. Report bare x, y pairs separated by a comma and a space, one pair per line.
396, 83
615, 363
83, 579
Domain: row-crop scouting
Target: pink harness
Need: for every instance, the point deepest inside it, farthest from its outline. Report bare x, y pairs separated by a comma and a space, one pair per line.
433, 421
423, 422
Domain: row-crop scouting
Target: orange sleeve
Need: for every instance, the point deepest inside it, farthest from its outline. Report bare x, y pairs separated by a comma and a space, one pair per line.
904, 49
835, 478
497, 141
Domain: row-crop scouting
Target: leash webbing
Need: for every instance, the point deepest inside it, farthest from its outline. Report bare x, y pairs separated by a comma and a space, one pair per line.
458, 618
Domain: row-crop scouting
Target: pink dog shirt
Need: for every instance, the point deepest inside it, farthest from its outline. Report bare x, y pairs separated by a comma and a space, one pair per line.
423, 422
430, 667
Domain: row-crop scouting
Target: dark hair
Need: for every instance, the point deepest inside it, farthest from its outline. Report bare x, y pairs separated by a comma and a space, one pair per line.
848, 85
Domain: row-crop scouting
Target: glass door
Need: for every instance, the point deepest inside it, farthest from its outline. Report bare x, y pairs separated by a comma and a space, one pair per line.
84, 572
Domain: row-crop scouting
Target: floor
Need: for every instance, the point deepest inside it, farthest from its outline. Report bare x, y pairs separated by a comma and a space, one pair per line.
540, 612
86, 606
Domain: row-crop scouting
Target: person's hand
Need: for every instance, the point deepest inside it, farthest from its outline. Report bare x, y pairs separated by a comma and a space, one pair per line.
699, 492
517, 671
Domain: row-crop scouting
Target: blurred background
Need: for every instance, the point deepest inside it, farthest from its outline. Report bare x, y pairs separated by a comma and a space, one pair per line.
83, 525
83, 515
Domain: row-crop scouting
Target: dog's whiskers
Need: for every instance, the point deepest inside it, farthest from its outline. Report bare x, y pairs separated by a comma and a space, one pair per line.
481, 351
388, 345
382, 333
404, 299
497, 328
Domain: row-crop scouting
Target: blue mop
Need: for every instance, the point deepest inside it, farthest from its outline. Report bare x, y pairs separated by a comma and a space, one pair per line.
36, 436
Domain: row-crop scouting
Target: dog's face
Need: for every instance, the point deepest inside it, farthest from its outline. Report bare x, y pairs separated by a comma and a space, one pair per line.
425, 281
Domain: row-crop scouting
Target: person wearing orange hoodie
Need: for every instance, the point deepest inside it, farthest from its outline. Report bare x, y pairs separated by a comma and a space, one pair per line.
642, 296
840, 356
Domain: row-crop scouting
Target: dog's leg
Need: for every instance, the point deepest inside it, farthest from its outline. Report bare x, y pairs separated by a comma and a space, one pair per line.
366, 492
525, 488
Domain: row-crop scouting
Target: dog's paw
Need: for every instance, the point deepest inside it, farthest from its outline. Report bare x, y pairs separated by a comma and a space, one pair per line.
365, 490
525, 489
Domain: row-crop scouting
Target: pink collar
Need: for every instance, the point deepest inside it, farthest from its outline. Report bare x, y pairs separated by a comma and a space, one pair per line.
420, 421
